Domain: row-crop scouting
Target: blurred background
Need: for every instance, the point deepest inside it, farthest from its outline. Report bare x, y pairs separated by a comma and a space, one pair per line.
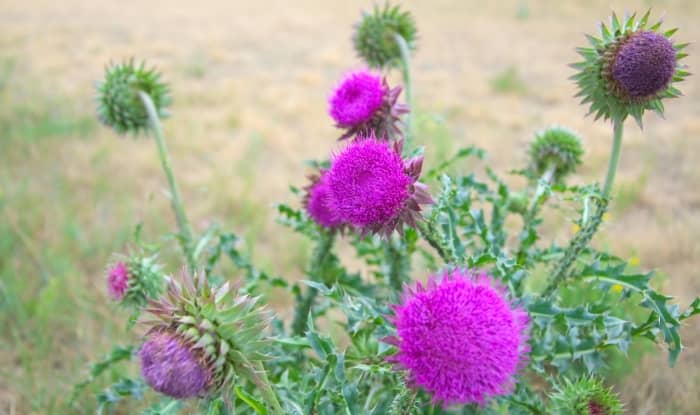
250, 81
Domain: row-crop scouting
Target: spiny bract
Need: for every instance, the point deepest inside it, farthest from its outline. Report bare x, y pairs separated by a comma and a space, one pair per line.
460, 338
135, 279
118, 103
629, 69
585, 396
221, 330
375, 40
556, 148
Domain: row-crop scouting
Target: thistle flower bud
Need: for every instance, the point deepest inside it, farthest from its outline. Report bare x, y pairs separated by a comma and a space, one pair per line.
132, 281
202, 338
364, 103
118, 103
585, 396
374, 36
629, 69
372, 188
460, 338
556, 149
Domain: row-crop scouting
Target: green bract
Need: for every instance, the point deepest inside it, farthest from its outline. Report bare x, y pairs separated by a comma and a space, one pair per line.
119, 104
556, 148
584, 396
227, 328
145, 280
596, 86
374, 36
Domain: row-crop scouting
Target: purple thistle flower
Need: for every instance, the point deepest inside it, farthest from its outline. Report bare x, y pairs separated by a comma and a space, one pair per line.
317, 205
171, 367
460, 338
118, 281
372, 188
363, 102
644, 65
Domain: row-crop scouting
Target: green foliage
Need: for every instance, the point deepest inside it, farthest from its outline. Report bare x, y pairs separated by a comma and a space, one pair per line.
509, 81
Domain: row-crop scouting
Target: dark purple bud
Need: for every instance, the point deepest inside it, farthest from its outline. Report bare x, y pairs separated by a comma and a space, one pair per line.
644, 65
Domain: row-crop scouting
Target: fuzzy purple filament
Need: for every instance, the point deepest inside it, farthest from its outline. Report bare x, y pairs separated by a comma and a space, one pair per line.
460, 338
368, 184
317, 204
170, 367
118, 281
357, 98
644, 65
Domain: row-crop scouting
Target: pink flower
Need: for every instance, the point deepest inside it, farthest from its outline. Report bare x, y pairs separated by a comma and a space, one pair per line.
118, 281
460, 338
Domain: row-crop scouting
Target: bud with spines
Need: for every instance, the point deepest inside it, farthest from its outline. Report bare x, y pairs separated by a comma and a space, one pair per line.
374, 37
556, 148
629, 69
118, 103
585, 396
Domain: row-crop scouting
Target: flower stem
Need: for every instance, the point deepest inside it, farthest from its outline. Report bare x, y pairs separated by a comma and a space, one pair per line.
428, 232
175, 199
542, 185
318, 260
614, 157
399, 264
406, 73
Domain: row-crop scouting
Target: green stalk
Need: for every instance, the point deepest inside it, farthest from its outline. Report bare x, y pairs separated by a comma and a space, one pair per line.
542, 185
318, 260
406, 73
428, 232
175, 199
614, 157
399, 265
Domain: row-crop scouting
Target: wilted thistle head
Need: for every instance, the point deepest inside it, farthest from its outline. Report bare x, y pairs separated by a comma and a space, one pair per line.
372, 188
585, 396
363, 103
629, 69
460, 338
118, 103
202, 338
374, 37
555, 148
317, 204
134, 279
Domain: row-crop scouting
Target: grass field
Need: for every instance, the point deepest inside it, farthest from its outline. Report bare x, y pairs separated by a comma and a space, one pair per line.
250, 81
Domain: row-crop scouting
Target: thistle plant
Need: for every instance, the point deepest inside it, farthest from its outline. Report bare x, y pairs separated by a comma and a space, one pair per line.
370, 334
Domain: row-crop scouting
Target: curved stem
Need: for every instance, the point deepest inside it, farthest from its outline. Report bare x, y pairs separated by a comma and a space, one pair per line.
614, 157
542, 185
406, 72
175, 199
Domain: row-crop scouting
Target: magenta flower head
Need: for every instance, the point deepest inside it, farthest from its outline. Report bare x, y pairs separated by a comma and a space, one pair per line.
117, 280
460, 338
363, 102
372, 188
171, 366
316, 202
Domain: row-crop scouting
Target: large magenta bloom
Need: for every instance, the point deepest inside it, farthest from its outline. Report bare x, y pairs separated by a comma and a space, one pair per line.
171, 367
118, 280
644, 65
317, 204
372, 188
364, 103
460, 338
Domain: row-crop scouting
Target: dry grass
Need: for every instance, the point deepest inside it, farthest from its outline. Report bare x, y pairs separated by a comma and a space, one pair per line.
250, 81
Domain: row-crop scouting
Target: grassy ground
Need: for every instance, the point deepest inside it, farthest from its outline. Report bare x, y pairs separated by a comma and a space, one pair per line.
250, 81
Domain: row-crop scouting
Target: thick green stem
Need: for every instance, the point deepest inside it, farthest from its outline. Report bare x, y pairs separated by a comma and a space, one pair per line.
175, 199
408, 88
318, 260
428, 233
614, 158
542, 184
398, 265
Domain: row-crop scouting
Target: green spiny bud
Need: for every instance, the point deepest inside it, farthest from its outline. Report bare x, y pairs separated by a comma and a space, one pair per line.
135, 279
375, 40
118, 103
586, 396
557, 149
629, 69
